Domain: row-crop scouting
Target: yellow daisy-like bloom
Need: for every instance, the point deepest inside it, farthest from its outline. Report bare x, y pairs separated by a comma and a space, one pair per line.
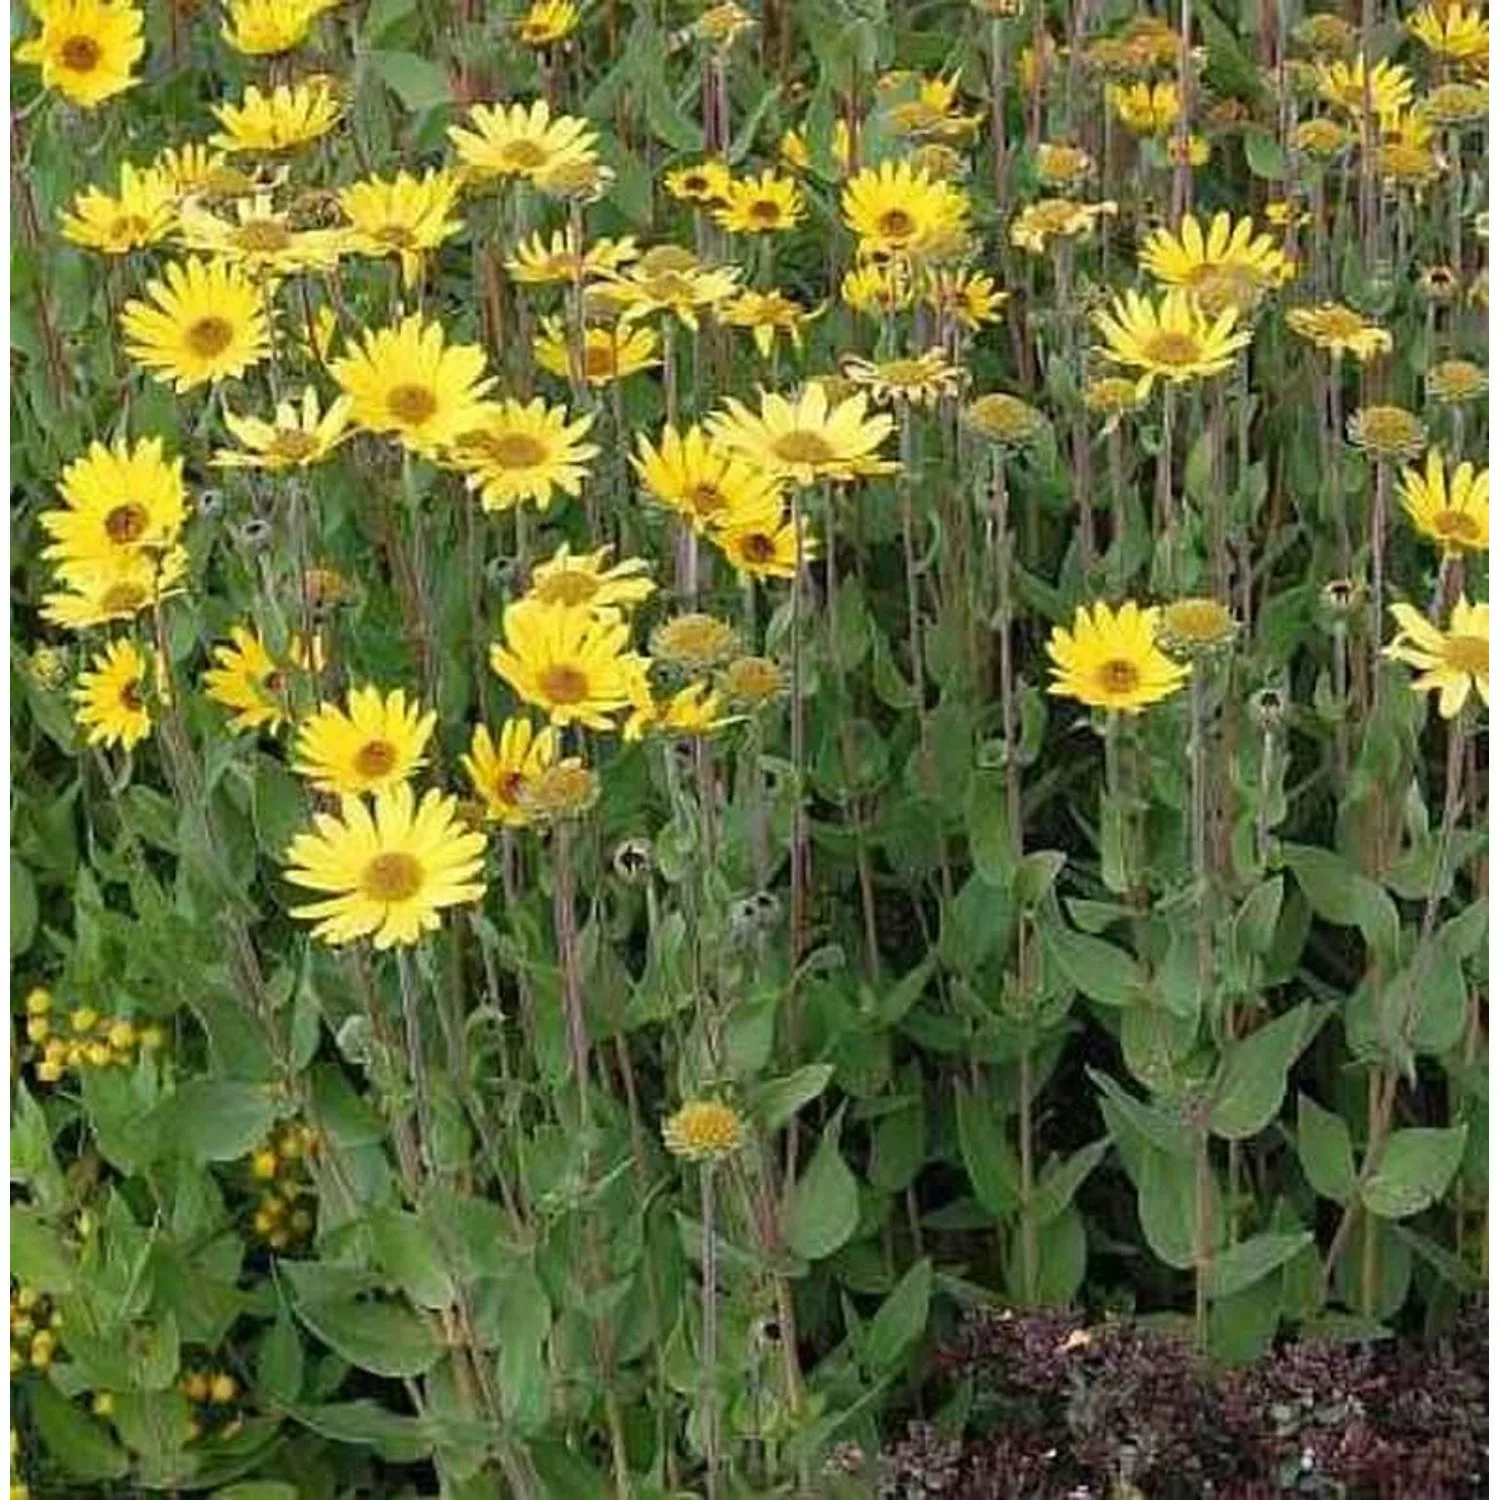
1006, 420
195, 171
703, 481
669, 279
1451, 510
279, 121
1053, 218
921, 380
1455, 104
1322, 137
692, 713
249, 681
723, 24
388, 872
1387, 431
1061, 165
567, 790
116, 501
259, 239
566, 660
203, 321
896, 209
1451, 30
519, 451
609, 354
1340, 330
1453, 661
766, 314
752, 681
1230, 256
296, 438
805, 439
877, 290
1325, 33
703, 182
1174, 340
1196, 627
1110, 659
375, 745
111, 697
763, 544
264, 28
1454, 380
405, 215
766, 204
501, 768
970, 298
547, 22
694, 642
587, 581
115, 588
410, 382
87, 48
933, 111
794, 153
142, 214
1146, 108
704, 1130
517, 141
1342, 84
538, 262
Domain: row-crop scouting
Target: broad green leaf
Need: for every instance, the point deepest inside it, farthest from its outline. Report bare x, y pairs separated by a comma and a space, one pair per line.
1264, 156
988, 1158
906, 991
1455, 1272
900, 1319
385, 1338
1415, 1171
1340, 894
23, 907
417, 82
216, 1119
82, 1446
898, 1148
1165, 1203
1255, 921
408, 1251
1242, 1266
1099, 969
1055, 1191
823, 1210
1324, 1149
777, 1100
1252, 1082
1134, 1125
992, 841
279, 1363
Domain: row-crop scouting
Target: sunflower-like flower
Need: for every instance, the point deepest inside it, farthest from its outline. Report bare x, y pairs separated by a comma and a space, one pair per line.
704, 1130
794, 154
700, 479
87, 49
203, 321
694, 642
1110, 659
764, 543
520, 141
1454, 380
282, 120
919, 380
876, 289
1175, 340
1146, 108
520, 451
1343, 85
1196, 627
564, 259
410, 382
1451, 510
1112, 397
609, 353
752, 681
112, 697
692, 712
588, 581
767, 314
896, 209
117, 501
376, 744
502, 766
194, 171
1005, 420
1340, 330
386, 872
547, 22
766, 204
1387, 431
804, 439
705, 182
264, 28
1453, 662
1449, 29
970, 298
252, 683
142, 213
1455, 104
102, 591
1059, 164
933, 111
259, 238
1056, 218
671, 280
565, 790
295, 438
405, 216
1231, 262
566, 661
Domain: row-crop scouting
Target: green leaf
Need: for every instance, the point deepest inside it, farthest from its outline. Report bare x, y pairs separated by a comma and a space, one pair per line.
901, 1318
1252, 1082
279, 1362
1324, 1149
1103, 972
1415, 1171
906, 991
823, 1210
408, 1252
992, 844
1454, 1271
216, 1119
987, 1154
75, 1441
1255, 921
23, 907
1135, 1126
259, 1489
278, 806
1264, 156
1246, 1263
385, 1338
416, 81
1056, 1189
777, 1100
1165, 1204
1340, 894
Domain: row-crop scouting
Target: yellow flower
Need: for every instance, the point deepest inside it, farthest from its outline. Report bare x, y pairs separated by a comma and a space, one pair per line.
501, 768
519, 451
1055, 217
1195, 627
117, 500
760, 205
704, 1130
1387, 431
263, 28
405, 215
259, 239
193, 170
516, 141
933, 111
970, 298
609, 354
1453, 511
1322, 137
586, 582
143, 213
895, 209
703, 481
692, 712
920, 380
566, 790
204, 321
111, 697
1231, 262
694, 642
702, 182
766, 314
802, 440
1146, 108
294, 440
1060, 165
1455, 104
1454, 380
410, 382
877, 290
86, 49
1174, 340
567, 661
763, 544
1342, 84
795, 155
252, 683
386, 874
538, 261
670, 280
114, 588
751, 681
1110, 659
547, 22
1006, 420
1339, 329
1452, 661
375, 745
1452, 30
278, 121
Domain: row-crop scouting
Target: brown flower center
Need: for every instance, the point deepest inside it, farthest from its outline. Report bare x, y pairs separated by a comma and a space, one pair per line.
262, 237
128, 228
1119, 676
130, 697
705, 499
523, 156
211, 336
569, 586
397, 236
122, 599
126, 523
1456, 526
896, 224
411, 405
375, 759
293, 444
507, 787
1468, 653
599, 361
758, 547
799, 447
766, 211
563, 683
1173, 348
392, 877
513, 450
81, 54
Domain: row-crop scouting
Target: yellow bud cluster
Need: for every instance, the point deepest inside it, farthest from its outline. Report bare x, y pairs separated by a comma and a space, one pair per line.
85, 1038
284, 1212
216, 1395
34, 1329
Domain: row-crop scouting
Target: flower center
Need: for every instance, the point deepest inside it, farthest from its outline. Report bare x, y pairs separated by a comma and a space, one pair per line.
896, 224
705, 499
1468, 653
1456, 525
800, 447
130, 697
1119, 676
397, 236
411, 405
694, 184
128, 228
563, 683
570, 586
599, 361
758, 547
766, 211
292, 443
1340, 323
1171, 347
210, 336
126, 523
262, 237
514, 450
507, 786
375, 759
81, 54
122, 599
392, 877
523, 156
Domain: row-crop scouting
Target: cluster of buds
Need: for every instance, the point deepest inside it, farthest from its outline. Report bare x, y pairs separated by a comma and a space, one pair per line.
34, 1325
285, 1209
216, 1396
86, 1038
